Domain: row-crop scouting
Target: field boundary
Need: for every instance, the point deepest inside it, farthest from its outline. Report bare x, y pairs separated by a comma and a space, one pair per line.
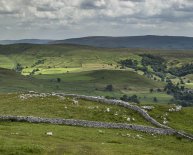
118, 103
85, 123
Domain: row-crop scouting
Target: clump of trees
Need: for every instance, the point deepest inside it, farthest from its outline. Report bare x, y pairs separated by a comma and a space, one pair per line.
34, 71
38, 62
157, 63
128, 63
182, 71
132, 98
181, 95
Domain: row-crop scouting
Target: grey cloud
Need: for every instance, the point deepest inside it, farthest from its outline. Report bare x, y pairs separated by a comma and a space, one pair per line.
7, 12
134, 1
46, 8
77, 15
87, 4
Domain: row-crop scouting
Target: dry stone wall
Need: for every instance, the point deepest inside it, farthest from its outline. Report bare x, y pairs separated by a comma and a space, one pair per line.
119, 103
84, 123
162, 129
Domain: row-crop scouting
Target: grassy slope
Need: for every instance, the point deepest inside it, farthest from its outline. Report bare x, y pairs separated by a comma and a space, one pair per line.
54, 107
63, 58
90, 83
94, 82
12, 82
182, 120
58, 57
26, 139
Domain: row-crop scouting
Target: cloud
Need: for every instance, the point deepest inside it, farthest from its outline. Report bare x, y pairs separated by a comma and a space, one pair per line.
82, 15
98, 4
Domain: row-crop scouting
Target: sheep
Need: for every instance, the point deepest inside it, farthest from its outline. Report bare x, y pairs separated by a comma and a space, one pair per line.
75, 102
49, 133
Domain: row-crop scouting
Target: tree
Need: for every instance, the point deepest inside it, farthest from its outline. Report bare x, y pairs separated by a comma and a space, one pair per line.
18, 67
151, 90
58, 80
109, 87
132, 98
181, 81
155, 99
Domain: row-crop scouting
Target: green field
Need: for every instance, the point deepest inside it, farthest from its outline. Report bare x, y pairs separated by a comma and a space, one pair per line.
88, 83
55, 107
26, 139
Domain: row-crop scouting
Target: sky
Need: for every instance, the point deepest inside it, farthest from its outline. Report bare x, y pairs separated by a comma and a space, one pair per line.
61, 19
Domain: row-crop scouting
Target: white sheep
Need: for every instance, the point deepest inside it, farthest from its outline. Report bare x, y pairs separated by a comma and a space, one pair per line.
178, 108
49, 133
116, 114
75, 102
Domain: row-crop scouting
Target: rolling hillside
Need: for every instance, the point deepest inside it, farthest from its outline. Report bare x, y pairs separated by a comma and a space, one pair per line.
89, 70
148, 42
109, 73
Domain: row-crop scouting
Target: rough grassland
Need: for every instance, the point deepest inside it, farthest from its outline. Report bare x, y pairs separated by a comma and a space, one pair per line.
182, 120
55, 107
24, 139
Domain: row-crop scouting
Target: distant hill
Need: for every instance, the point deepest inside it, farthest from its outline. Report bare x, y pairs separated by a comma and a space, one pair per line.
149, 42
144, 42
27, 41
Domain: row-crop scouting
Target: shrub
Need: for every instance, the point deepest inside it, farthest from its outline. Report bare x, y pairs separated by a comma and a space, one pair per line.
109, 87
132, 98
